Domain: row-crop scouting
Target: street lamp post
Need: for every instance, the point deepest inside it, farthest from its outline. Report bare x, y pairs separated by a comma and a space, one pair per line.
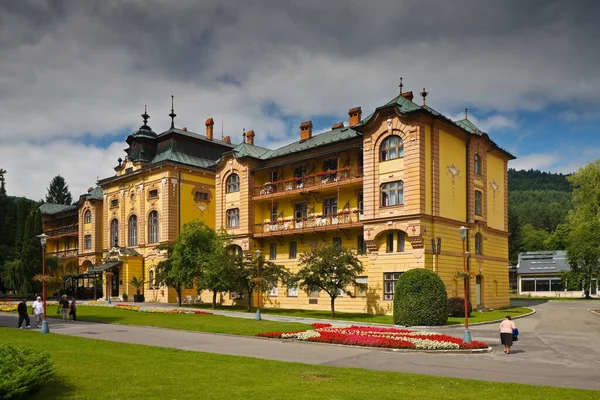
43, 238
258, 316
463, 235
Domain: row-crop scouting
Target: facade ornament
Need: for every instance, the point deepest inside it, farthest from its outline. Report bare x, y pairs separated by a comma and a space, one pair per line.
495, 187
454, 171
389, 124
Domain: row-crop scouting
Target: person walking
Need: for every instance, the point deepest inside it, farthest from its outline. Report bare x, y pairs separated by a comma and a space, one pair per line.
64, 307
23, 316
38, 311
73, 309
507, 326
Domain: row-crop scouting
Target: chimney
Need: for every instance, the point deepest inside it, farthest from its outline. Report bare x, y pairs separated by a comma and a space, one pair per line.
354, 114
90, 189
250, 137
209, 128
408, 95
337, 126
184, 129
226, 139
306, 130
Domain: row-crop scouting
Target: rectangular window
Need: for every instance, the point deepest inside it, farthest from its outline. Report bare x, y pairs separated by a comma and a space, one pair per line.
478, 203
337, 241
153, 193
233, 218
527, 284
300, 211
401, 241
292, 249
201, 196
293, 291
361, 246
361, 291
274, 213
556, 285
389, 243
389, 284
114, 203
273, 251
359, 196
542, 284
273, 292
314, 294
330, 165
330, 206
87, 242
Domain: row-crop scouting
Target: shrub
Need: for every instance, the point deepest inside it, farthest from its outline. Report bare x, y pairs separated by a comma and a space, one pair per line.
420, 299
22, 371
456, 307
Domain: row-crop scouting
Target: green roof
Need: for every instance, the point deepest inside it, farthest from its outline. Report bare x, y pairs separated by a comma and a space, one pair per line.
96, 194
249, 150
469, 126
182, 158
336, 135
194, 135
51, 209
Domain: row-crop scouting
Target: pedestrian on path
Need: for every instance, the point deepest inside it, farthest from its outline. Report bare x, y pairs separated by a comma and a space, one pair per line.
507, 326
64, 307
73, 309
38, 311
23, 316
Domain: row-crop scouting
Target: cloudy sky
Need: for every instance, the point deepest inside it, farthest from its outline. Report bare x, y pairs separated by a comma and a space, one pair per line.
75, 75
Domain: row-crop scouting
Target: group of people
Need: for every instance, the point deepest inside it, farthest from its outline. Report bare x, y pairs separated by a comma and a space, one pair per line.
66, 308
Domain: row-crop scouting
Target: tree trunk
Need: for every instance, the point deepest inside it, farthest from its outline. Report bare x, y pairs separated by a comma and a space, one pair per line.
214, 301
332, 307
178, 290
250, 300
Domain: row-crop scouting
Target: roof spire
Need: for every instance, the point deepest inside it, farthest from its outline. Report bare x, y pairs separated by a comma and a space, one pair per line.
172, 115
244, 135
145, 115
466, 113
424, 94
401, 86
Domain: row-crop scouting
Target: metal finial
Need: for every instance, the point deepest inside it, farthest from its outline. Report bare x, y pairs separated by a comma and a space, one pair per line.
424, 94
401, 86
172, 115
145, 115
466, 113
244, 135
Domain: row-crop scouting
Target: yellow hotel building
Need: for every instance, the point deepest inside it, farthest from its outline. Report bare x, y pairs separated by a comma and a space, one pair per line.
385, 186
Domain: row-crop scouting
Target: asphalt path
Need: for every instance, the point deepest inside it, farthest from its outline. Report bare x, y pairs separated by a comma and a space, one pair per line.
559, 346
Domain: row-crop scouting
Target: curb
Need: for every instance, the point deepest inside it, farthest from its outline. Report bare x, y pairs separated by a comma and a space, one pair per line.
594, 312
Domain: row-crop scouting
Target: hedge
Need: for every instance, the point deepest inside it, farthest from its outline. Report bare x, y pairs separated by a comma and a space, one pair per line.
456, 307
420, 299
23, 371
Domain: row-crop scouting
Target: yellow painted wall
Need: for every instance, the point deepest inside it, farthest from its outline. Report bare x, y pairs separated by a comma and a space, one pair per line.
495, 199
453, 201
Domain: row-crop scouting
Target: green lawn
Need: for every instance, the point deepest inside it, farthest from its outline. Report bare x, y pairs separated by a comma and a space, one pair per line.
189, 322
94, 369
476, 316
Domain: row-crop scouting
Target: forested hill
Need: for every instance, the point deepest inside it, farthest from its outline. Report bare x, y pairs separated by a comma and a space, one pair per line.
538, 202
537, 180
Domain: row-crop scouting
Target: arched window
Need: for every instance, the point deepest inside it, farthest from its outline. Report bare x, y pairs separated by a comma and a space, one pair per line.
234, 250
153, 227
233, 183
478, 243
87, 217
392, 194
233, 218
151, 279
477, 164
133, 230
114, 233
391, 148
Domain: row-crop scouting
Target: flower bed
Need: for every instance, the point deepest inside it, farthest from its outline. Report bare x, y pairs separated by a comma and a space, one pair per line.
126, 307
172, 311
391, 338
8, 307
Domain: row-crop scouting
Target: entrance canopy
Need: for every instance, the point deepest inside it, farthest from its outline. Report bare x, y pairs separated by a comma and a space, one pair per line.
104, 267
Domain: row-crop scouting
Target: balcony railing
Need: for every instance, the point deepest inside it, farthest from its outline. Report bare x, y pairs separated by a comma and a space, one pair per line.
65, 230
63, 254
342, 219
316, 180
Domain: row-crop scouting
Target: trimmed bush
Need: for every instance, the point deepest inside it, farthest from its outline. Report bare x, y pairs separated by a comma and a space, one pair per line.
22, 371
456, 307
420, 299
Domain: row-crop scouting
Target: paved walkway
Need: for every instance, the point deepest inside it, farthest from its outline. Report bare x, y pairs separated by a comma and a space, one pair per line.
558, 346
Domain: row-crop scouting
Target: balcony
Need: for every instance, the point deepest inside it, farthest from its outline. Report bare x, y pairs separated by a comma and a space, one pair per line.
63, 253
341, 220
70, 230
319, 180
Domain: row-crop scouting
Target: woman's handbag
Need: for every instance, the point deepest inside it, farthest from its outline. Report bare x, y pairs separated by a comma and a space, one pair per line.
515, 335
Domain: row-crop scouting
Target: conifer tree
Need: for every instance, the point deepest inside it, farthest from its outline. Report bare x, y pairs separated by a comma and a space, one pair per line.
58, 191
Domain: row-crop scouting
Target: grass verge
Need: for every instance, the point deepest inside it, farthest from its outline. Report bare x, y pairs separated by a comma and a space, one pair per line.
92, 369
